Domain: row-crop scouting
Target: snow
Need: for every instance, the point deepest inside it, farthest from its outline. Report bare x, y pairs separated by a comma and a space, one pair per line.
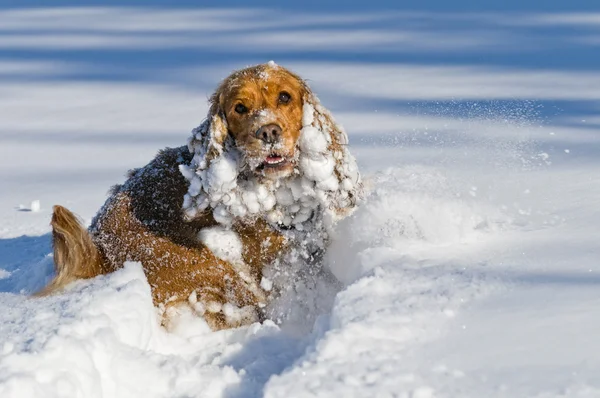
35, 206
470, 269
224, 243
103, 339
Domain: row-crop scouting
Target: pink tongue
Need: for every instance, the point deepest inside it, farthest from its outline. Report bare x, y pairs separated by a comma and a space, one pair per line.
272, 159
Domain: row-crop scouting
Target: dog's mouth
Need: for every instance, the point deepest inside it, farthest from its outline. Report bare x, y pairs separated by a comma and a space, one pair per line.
276, 165
273, 160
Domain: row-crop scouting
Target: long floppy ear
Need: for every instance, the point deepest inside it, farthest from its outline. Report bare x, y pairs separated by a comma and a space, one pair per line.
207, 140
207, 143
345, 193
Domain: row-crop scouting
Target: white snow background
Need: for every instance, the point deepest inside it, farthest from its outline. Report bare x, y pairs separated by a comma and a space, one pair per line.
472, 269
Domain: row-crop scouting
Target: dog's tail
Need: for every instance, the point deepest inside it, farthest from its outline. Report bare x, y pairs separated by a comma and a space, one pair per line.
75, 254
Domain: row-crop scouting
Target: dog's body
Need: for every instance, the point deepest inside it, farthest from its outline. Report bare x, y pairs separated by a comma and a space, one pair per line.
161, 218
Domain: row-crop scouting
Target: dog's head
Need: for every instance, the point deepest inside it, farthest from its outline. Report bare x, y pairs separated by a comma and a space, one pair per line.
260, 109
265, 124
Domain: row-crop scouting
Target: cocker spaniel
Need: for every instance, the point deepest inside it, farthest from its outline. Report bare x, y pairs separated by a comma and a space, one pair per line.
262, 181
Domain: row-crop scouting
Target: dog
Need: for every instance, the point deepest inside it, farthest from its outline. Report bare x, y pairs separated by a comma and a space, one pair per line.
261, 181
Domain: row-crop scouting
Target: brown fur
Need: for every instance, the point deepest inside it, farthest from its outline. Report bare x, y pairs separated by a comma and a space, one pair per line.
143, 219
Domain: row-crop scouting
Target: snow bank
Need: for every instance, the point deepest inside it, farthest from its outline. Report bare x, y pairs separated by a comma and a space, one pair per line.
79, 343
398, 255
100, 339
413, 209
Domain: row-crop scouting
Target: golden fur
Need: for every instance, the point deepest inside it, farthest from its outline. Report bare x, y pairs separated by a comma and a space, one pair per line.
143, 219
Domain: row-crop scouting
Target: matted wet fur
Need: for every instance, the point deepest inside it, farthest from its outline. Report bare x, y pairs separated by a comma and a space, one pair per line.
143, 219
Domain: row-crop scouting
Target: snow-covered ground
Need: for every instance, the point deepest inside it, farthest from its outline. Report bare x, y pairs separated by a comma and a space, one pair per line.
472, 269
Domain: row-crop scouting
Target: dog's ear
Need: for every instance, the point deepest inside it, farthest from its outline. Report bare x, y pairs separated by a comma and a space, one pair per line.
208, 140
208, 144
347, 190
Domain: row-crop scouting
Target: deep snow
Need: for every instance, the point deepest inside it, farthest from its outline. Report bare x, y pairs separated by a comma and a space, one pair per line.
471, 270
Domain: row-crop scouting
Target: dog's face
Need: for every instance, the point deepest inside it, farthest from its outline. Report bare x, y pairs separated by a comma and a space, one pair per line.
263, 111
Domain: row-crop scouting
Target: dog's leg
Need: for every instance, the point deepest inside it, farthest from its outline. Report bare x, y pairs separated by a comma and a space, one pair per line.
75, 255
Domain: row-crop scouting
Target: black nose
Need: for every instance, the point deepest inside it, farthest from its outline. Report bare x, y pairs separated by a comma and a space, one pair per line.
269, 133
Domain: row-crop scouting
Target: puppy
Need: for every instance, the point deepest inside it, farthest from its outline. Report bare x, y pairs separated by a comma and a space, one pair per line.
262, 181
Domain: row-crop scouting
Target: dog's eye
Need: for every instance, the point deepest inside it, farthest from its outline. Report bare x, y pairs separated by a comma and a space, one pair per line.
284, 97
240, 108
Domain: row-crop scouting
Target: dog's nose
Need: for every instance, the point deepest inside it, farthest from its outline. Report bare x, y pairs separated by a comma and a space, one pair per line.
269, 133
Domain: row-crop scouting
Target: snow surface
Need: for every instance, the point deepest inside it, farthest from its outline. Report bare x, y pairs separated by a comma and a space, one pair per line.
471, 269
